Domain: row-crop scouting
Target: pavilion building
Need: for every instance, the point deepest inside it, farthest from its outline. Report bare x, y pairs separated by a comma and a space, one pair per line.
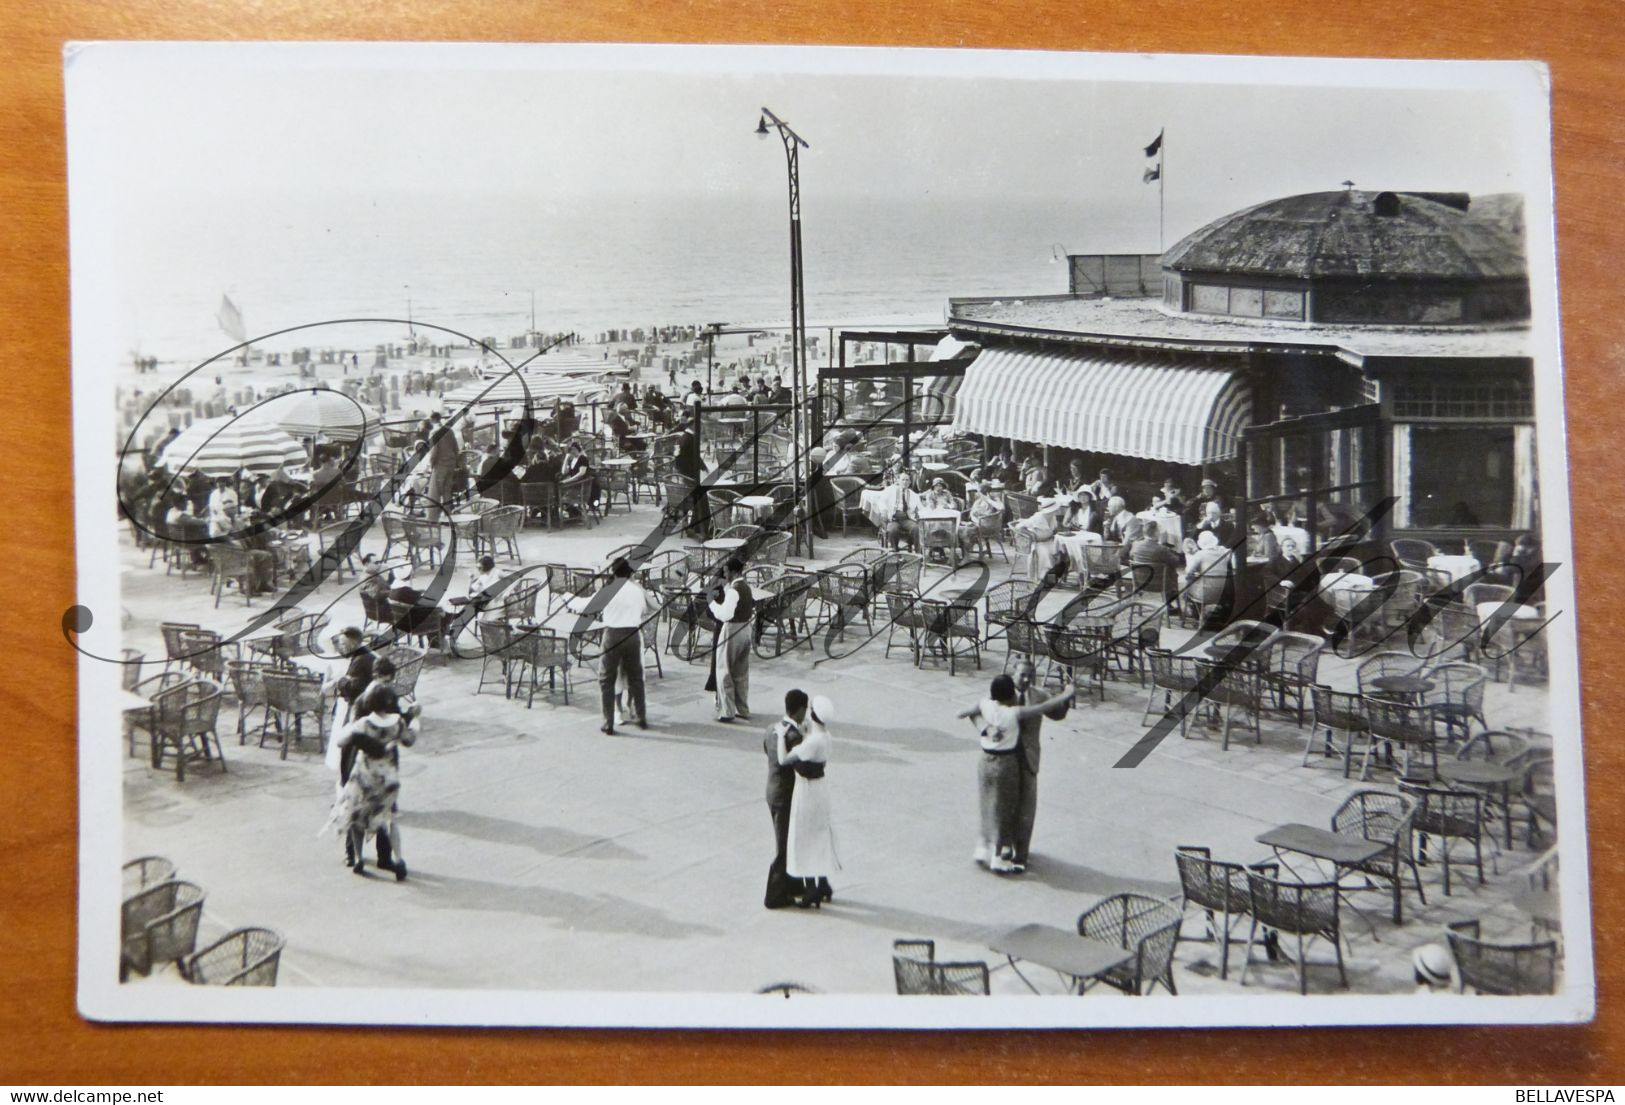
1316, 354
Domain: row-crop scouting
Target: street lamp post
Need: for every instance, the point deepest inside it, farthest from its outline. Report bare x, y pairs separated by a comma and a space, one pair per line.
801, 453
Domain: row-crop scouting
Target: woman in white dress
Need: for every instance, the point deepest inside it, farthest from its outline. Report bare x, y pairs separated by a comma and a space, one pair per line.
811, 852
1041, 528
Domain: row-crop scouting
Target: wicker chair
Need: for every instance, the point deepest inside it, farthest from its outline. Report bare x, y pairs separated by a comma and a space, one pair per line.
1502, 969
1011, 601
1235, 691
663, 569
679, 503
145, 872
242, 957
1175, 679
517, 602
337, 545
499, 528
496, 639
1406, 724
534, 652
688, 624
775, 549
1220, 890
540, 502
408, 663
574, 495
1023, 641
1457, 697
1338, 712
950, 630
144, 719
744, 532
1214, 590
1080, 654
185, 721
843, 596
916, 972
1378, 815
903, 611
1136, 627
230, 564
1303, 910
1102, 566
1146, 926
1381, 665
848, 499
1409, 550
897, 571
159, 924
1291, 665
394, 530
174, 651
428, 625
781, 620
204, 652
248, 684
290, 697
1447, 815
423, 536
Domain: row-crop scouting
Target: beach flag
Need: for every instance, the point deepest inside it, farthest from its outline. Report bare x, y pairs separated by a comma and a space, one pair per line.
1155, 147
1153, 173
230, 319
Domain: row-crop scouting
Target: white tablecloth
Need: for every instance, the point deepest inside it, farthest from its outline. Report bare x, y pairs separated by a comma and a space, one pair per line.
1486, 610
1170, 526
1072, 544
1345, 589
938, 514
871, 501
1457, 566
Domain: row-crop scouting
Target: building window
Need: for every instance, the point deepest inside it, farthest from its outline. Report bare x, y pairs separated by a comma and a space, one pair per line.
1500, 399
1377, 303
1247, 301
1461, 476
1210, 299
1283, 305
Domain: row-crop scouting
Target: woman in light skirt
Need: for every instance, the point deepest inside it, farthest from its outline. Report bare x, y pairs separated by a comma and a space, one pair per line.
811, 853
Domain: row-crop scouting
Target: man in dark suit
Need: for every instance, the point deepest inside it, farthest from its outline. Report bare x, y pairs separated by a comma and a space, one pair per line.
781, 781
1030, 750
1148, 556
444, 457
358, 675
1213, 519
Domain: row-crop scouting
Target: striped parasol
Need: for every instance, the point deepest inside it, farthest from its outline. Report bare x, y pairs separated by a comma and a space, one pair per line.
510, 391
319, 412
220, 446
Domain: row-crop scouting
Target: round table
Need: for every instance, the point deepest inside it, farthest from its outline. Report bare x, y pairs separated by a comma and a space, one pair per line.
618, 462
1496, 778
758, 503
1404, 688
724, 544
129, 700
1456, 567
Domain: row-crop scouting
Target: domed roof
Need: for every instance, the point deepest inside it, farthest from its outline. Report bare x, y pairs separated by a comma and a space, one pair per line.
1350, 233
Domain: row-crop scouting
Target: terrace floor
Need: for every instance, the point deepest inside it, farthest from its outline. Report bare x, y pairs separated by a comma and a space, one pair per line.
545, 855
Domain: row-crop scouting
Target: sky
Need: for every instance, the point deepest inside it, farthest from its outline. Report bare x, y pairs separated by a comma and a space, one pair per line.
565, 124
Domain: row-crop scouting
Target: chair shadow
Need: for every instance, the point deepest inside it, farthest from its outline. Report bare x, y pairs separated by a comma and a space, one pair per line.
1078, 879
547, 840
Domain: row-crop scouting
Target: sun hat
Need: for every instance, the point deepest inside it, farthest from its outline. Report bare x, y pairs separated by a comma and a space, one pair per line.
823, 709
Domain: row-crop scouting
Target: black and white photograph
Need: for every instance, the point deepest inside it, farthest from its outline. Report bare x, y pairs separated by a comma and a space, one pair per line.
757, 536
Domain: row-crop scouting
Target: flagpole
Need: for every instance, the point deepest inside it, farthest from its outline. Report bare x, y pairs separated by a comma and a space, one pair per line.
1162, 182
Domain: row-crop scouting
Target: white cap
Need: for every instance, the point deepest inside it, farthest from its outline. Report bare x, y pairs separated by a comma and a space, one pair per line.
823, 709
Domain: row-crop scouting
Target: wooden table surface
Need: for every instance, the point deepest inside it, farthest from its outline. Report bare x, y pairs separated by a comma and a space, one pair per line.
49, 1044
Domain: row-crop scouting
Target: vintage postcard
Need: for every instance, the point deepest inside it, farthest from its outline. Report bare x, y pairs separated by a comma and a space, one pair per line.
726, 536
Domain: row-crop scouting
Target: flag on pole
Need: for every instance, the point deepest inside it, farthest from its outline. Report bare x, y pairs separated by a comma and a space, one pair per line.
1153, 173
1155, 146
230, 319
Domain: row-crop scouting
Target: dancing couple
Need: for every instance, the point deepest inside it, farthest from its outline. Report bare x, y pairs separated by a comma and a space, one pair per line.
798, 801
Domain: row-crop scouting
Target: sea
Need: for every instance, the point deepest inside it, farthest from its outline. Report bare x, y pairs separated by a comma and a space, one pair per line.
480, 264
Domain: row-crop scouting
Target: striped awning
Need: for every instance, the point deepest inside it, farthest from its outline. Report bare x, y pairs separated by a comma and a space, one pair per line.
511, 390
1159, 406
